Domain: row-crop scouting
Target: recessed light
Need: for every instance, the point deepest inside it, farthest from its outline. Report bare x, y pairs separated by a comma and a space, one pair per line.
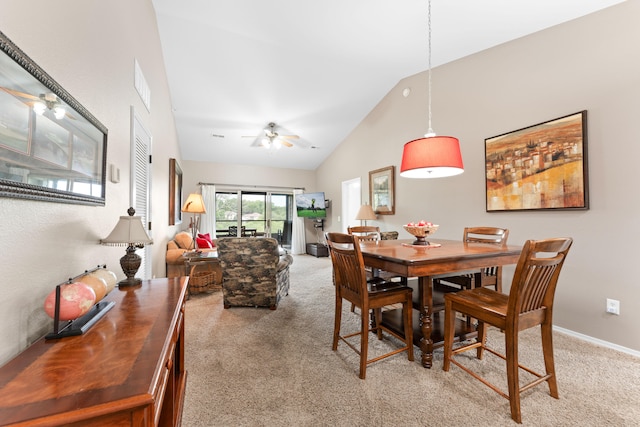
406, 91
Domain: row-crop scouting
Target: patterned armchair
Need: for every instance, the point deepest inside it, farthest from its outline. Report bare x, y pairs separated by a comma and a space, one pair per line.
254, 272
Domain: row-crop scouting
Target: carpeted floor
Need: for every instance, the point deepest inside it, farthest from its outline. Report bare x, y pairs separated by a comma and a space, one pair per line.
256, 367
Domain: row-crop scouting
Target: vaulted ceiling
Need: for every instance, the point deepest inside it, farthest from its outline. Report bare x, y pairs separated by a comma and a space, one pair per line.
316, 68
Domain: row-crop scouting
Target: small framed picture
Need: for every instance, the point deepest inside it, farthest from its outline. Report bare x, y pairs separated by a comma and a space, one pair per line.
382, 190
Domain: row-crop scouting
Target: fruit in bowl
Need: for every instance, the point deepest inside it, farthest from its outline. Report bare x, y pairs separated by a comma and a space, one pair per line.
421, 230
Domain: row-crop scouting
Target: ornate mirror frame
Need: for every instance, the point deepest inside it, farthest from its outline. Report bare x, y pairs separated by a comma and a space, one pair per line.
51, 148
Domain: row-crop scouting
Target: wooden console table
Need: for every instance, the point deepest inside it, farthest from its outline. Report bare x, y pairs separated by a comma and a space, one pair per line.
127, 370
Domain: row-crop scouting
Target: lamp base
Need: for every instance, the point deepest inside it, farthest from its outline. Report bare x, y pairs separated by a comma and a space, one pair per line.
133, 281
130, 264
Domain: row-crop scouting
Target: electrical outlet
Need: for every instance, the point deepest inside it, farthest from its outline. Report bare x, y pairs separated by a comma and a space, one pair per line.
613, 306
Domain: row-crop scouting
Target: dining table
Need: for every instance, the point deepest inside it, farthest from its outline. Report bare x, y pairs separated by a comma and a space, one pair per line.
426, 262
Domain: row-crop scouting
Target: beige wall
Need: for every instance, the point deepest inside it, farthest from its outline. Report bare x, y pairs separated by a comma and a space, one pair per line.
588, 64
88, 47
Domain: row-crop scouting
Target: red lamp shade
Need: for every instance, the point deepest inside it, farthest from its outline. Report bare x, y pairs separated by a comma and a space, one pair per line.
431, 157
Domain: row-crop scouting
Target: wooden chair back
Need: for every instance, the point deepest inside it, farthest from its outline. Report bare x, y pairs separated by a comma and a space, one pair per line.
486, 235
348, 267
534, 282
365, 232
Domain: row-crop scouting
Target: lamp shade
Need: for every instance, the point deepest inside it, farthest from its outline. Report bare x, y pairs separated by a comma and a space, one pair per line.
194, 204
431, 157
129, 231
366, 213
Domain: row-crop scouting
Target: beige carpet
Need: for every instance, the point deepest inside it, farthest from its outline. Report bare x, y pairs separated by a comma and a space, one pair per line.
256, 367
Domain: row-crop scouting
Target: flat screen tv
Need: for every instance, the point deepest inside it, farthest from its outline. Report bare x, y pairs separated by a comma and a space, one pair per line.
311, 205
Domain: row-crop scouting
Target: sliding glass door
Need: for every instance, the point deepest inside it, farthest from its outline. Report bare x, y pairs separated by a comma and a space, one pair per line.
255, 214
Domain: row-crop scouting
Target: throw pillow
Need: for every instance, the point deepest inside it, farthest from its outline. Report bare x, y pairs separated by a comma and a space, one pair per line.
207, 237
203, 243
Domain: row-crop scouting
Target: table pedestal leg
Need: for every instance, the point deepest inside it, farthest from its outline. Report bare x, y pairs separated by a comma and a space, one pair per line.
426, 326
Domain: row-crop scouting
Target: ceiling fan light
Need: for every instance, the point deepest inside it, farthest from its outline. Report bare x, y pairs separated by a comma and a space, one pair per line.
39, 107
59, 112
265, 142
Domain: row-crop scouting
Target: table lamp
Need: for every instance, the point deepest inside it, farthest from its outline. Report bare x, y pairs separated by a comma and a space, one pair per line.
366, 213
129, 232
194, 205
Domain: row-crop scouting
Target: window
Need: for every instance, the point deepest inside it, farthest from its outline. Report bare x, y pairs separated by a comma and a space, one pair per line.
253, 213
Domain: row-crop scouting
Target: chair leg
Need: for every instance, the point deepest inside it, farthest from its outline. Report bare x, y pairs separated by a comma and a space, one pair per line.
482, 338
376, 320
449, 329
407, 308
336, 324
364, 342
511, 346
547, 351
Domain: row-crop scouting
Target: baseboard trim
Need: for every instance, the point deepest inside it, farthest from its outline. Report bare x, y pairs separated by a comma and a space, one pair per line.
597, 341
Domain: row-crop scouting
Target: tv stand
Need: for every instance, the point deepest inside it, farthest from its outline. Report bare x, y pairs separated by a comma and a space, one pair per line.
317, 250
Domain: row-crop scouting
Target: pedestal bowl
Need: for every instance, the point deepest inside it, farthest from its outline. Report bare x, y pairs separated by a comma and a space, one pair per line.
421, 232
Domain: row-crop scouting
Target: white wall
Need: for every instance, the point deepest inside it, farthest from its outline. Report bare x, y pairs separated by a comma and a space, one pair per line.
88, 47
588, 64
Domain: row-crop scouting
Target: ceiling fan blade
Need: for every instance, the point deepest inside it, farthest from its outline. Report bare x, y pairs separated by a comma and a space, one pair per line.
286, 143
290, 136
20, 94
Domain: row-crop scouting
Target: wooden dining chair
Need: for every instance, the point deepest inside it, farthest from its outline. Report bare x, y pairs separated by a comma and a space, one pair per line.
370, 233
351, 285
529, 303
487, 277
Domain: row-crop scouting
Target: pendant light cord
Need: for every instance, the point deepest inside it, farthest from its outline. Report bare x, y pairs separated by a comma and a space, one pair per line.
430, 131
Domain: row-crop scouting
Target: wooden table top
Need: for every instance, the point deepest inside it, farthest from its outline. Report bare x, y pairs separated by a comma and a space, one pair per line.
399, 256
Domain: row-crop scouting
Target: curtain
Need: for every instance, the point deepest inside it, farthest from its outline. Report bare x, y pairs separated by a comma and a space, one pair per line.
208, 220
298, 241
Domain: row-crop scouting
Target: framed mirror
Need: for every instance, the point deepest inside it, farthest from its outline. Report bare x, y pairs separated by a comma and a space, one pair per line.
51, 147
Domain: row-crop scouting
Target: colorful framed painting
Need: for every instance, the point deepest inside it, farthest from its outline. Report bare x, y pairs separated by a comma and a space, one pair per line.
382, 190
543, 166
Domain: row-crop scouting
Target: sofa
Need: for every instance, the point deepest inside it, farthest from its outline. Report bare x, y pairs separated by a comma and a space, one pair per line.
181, 243
255, 271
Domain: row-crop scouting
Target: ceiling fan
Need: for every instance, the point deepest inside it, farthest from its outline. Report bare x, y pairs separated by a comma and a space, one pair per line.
41, 103
272, 139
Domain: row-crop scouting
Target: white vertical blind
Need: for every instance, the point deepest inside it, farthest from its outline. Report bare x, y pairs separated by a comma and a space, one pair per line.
141, 186
208, 220
298, 240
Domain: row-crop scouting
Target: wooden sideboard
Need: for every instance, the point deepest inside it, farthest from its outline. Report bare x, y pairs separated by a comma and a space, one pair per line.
127, 370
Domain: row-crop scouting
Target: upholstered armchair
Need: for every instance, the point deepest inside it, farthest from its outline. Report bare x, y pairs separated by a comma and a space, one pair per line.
255, 273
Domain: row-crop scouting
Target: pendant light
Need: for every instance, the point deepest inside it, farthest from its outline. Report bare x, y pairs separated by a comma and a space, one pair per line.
432, 156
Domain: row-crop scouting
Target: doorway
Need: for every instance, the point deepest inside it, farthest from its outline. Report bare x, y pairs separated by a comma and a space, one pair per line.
351, 202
